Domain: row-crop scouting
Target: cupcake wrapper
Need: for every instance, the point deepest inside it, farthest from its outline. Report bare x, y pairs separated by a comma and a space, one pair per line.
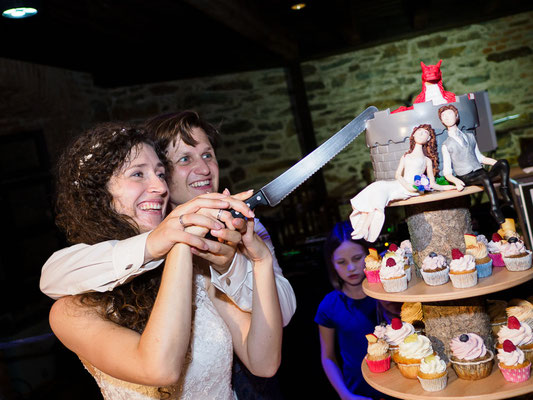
497, 260
410, 371
378, 366
434, 385
464, 280
518, 263
372, 276
484, 270
436, 278
472, 371
408, 273
516, 374
395, 285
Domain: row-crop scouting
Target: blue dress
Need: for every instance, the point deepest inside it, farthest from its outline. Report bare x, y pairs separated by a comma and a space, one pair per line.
352, 320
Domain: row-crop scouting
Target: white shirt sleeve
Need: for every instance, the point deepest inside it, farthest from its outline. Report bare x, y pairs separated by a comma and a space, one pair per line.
446, 161
99, 267
237, 282
479, 156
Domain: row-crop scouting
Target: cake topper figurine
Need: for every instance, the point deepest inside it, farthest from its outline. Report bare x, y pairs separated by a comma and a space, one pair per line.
432, 87
461, 155
368, 213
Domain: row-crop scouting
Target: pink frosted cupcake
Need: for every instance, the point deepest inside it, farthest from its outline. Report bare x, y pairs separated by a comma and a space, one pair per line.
392, 274
396, 332
463, 271
513, 365
372, 266
515, 255
435, 269
494, 247
520, 334
470, 358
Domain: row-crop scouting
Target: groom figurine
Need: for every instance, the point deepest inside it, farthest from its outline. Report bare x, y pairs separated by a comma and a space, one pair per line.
460, 154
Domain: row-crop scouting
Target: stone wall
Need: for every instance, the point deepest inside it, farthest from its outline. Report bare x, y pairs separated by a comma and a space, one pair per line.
496, 56
252, 110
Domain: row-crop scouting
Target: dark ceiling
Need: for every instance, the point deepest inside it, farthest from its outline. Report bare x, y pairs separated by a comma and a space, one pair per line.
124, 42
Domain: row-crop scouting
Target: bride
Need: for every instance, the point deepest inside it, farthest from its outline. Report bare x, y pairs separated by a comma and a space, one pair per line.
368, 206
167, 333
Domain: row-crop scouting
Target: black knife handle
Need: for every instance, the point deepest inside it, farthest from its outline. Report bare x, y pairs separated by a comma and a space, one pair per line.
252, 202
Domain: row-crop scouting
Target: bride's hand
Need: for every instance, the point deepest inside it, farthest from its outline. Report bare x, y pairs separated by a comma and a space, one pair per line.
253, 247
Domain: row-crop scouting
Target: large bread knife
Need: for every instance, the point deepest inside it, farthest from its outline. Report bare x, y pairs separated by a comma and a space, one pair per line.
272, 193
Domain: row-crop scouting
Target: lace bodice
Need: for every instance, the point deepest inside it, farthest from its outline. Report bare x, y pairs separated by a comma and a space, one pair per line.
207, 373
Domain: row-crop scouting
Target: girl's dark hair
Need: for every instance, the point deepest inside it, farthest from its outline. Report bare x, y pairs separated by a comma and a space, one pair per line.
341, 232
429, 149
166, 129
85, 212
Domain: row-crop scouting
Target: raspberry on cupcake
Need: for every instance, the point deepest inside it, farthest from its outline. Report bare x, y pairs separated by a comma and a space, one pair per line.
392, 274
396, 332
463, 271
495, 250
512, 363
520, 334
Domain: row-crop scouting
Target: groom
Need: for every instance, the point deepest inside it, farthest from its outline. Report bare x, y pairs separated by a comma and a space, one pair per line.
460, 154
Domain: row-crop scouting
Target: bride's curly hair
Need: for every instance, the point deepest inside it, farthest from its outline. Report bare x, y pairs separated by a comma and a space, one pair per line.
86, 215
429, 149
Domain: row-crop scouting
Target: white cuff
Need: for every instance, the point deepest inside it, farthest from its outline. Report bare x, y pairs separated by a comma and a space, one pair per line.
128, 255
233, 281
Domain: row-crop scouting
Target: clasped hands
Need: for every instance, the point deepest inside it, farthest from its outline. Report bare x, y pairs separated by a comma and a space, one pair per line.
190, 222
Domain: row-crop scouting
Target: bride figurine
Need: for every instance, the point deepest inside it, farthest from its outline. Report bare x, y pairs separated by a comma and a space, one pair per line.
419, 162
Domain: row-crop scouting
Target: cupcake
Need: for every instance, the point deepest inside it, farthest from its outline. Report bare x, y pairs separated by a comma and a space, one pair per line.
432, 374
497, 314
513, 364
470, 358
407, 248
435, 269
396, 332
519, 334
380, 330
392, 274
400, 253
515, 255
412, 350
522, 310
463, 271
372, 266
481, 257
412, 313
495, 253
377, 357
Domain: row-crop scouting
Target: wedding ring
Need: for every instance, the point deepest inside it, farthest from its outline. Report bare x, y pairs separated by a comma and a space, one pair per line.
218, 214
181, 220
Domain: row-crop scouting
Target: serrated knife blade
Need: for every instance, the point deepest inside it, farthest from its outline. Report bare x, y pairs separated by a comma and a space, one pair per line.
274, 192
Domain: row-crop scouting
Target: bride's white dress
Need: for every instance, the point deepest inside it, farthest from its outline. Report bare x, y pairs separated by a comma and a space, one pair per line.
207, 373
372, 200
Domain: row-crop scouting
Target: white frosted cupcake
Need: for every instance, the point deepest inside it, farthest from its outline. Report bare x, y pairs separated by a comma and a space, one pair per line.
432, 374
513, 364
410, 354
515, 255
396, 332
519, 333
399, 255
435, 269
392, 274
463, 271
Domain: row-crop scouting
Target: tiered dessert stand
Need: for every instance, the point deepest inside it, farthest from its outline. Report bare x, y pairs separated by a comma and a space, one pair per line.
437, 222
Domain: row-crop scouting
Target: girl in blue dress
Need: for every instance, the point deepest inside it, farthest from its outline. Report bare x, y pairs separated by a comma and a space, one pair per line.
347, 314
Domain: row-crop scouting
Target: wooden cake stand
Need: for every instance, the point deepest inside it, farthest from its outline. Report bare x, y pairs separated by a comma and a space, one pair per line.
437, 222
